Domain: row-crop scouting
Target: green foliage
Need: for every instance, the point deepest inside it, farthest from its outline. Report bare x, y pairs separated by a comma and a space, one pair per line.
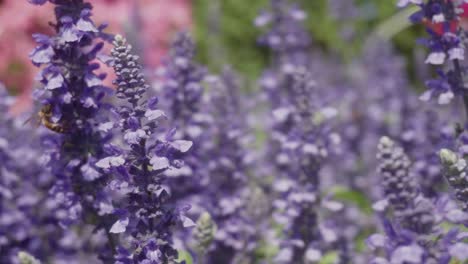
354, 197
225, 33
266, 252
204, 233
185, 256
456, 261
360, 241
26, 258
329, 258
224, 30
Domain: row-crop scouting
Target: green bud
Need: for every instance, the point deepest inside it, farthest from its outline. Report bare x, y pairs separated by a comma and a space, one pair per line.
26, 258
204, 233
448, 157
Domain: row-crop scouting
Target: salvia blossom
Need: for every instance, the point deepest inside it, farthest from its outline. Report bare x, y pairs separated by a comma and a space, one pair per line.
145, 216
398, 185
117, 179
400, 194
24, 189
278, 78
26, 258
410, 231
413, 234
183, 93
400, 190
455, 172
19, 191
203, 234
71, 97
303, 150
286, 36
441, 19
228, 162
301, 139
287, 41
380, 84
401, 247
183, 80
398, 245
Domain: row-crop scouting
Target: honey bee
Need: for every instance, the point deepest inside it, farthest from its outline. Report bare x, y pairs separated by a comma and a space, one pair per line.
43, 117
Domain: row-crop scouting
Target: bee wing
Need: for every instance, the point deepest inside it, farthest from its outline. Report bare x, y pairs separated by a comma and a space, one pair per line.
34, 120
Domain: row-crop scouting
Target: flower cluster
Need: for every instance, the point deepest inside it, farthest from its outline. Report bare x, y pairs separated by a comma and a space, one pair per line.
228, 163
183, 91
144, 215
286, 36
302, 139
116, 175
415, 218
304, 147
204, 234
455, 171
400, 190
413, 233
28, 216
288, 42
214, 175
18, 231
72, 107
441, 19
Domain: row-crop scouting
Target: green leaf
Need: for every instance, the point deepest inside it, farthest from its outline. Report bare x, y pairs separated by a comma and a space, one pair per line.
26, 258
360, 240
185, 256
350, 196
329, 258
395, 24
266, 251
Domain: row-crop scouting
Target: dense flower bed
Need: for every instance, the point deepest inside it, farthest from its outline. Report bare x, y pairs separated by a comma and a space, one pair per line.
326, 162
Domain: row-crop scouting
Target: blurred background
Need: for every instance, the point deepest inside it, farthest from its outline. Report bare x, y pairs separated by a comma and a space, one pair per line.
343, 58
223, 30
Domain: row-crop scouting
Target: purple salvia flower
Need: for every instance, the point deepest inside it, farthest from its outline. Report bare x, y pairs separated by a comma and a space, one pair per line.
378, 102
430, 132
455, 173
72, 106
399, 246
289, 44
398, 185
203, 235
286, 36
305, 141
183, 92
301, 138
441, 19
228, 162
409, 239
24, 186
183, 89
147, 215
400, 190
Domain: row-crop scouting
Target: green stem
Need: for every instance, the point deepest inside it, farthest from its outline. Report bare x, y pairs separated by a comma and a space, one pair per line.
393, 25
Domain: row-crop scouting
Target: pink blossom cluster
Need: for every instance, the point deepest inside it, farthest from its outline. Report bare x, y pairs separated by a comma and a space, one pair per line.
158, 20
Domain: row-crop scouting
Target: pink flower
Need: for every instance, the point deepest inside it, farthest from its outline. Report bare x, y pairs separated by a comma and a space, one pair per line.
19, 20
159, 20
